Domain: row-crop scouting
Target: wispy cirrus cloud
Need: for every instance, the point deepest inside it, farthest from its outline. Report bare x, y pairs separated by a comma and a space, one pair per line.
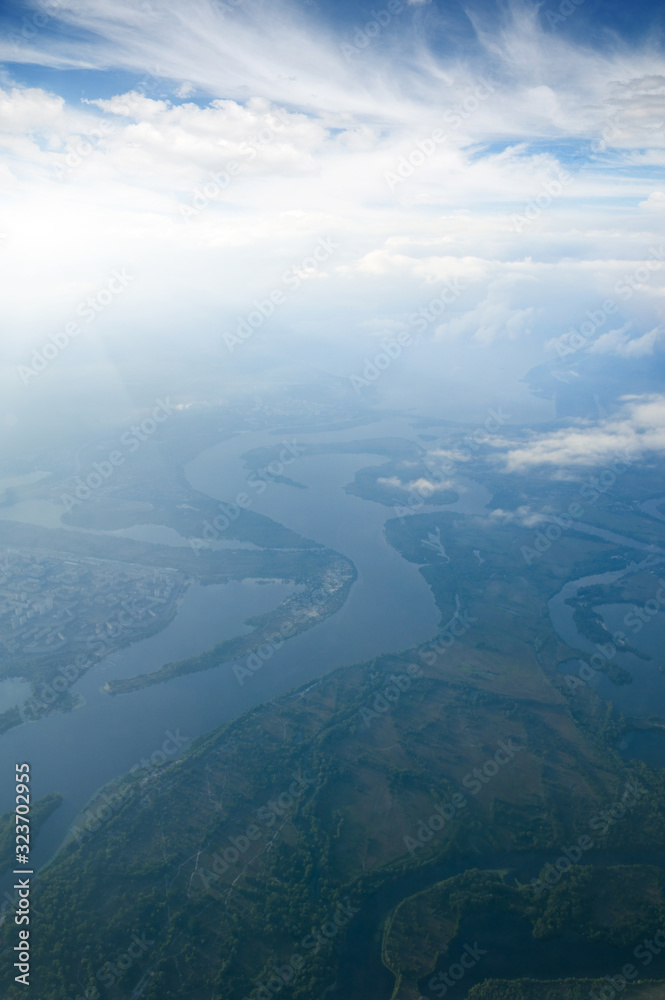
221, 78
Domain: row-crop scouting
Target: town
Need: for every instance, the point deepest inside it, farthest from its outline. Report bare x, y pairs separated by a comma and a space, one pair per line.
51, 604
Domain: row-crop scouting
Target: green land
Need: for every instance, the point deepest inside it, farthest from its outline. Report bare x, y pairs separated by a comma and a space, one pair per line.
39, 813
230, 861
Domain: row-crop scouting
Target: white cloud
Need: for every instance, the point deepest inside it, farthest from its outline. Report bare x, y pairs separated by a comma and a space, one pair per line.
185, 89
426, 487
636, 431
618, 343
344, 125
523, 515
656, 200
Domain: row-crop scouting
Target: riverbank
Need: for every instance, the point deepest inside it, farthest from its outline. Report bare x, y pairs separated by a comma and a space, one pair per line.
320, 599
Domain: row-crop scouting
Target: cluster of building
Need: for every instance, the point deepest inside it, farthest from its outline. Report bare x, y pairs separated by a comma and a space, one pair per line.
48, 602
312, 603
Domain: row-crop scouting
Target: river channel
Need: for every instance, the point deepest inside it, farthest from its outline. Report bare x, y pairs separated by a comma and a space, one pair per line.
390, 607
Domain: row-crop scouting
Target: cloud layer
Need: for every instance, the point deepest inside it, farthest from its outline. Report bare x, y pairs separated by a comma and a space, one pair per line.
520, 170
635, 433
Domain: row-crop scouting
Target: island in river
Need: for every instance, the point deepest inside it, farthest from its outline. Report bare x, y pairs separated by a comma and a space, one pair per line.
349, 838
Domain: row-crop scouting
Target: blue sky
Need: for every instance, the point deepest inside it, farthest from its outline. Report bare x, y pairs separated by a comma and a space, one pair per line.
515, 150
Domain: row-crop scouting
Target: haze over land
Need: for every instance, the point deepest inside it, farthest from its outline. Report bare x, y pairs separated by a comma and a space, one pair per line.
332, 526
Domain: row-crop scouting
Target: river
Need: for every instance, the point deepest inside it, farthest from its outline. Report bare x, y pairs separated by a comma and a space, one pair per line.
512, 951
390, 607
645, 696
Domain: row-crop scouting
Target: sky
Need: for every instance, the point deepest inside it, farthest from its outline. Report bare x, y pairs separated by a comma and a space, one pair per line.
478, 186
